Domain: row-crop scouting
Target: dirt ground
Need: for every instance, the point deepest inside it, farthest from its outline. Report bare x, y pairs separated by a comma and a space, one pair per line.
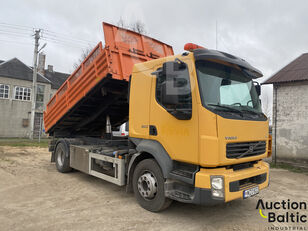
34, 196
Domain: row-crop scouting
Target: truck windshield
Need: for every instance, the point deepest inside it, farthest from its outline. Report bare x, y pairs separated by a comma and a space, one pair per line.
226, 88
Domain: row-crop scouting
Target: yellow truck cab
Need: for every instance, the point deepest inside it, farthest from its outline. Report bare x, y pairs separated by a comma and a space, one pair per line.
199, 115
196, 132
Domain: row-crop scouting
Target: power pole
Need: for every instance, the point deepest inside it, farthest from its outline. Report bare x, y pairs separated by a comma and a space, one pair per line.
216, 35
36, 37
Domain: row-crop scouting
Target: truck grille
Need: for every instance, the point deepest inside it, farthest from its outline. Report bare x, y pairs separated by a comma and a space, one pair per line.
247, 183
245, 149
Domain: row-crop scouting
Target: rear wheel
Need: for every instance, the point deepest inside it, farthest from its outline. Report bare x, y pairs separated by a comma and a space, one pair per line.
62, 157
148, 185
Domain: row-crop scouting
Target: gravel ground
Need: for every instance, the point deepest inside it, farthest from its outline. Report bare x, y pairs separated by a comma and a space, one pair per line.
34, 196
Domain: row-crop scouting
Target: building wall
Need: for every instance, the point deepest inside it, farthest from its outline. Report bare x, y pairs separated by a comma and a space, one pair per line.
53, 91
292, 121
13, 113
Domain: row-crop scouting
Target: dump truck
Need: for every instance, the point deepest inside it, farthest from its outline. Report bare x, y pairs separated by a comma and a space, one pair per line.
197, 133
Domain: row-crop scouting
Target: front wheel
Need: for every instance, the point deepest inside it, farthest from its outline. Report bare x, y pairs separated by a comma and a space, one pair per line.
62, 157
148, 185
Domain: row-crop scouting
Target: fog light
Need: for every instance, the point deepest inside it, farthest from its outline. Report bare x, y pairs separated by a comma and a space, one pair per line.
217, 183
217, 193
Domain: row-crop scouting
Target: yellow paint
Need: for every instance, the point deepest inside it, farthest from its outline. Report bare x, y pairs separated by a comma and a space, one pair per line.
139, 109
202, 178
178, 137
200, 140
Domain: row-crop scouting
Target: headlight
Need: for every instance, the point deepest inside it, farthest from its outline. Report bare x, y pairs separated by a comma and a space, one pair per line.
217, 183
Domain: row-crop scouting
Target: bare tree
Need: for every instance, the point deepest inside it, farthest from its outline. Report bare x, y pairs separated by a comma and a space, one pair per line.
137, 26
84, 54
121, 23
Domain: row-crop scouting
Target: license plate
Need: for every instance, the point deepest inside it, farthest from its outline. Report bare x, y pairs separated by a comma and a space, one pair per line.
250, 192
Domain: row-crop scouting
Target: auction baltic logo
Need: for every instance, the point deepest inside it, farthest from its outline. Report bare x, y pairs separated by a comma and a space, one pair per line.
284, 211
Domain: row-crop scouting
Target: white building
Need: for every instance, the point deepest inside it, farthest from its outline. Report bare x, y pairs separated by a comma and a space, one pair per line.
290, 111
16, 93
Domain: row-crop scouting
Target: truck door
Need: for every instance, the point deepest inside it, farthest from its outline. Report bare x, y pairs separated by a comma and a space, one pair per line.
173, 111
139, 104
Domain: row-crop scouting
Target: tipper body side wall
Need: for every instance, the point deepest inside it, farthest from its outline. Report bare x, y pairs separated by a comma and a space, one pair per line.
100, 84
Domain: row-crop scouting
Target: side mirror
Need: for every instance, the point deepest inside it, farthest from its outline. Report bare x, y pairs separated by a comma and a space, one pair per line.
175, 94
258, 88
175, 83
169, 100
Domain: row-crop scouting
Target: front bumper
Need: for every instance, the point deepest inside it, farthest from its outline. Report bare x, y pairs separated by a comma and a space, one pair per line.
235, 182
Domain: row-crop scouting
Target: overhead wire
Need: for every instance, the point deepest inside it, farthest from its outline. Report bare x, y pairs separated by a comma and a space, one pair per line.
15, 25
3, 26
66, 44
15, 33
68, 37
9, 30
16, 42
66, 41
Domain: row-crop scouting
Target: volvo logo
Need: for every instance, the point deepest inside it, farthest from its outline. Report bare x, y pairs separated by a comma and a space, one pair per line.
251, 148
231, 137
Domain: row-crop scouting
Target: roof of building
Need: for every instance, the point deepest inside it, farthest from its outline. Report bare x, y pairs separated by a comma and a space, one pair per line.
16, 69
56, 78
1, 61
297, 70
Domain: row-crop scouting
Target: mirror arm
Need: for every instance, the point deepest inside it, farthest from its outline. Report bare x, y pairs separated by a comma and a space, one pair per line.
258, 87
183, 64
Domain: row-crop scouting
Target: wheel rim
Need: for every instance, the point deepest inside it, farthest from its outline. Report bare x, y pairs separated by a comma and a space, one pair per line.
147, 185
60, 157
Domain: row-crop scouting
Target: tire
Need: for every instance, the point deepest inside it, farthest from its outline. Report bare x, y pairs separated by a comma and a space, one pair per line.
62, 157
148, 185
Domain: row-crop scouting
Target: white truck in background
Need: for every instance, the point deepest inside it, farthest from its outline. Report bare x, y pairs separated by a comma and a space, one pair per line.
122, 132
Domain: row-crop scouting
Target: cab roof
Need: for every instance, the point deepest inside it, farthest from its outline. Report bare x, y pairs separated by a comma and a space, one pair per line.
207, 54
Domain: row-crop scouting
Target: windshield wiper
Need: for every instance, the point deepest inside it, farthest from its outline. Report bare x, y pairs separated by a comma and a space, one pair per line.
251, 111
226, 107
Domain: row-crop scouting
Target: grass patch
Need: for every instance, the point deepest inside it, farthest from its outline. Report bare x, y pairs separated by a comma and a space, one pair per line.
289, 167
18, 142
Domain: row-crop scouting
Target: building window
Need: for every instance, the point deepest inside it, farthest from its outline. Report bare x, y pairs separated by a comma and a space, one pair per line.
25, 123
4, 91
22, 93
40, 96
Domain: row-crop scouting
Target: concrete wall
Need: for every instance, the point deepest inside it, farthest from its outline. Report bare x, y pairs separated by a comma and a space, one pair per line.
292, 121
12, 112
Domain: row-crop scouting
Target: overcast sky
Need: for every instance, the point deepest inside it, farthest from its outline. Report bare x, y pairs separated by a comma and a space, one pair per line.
268, 34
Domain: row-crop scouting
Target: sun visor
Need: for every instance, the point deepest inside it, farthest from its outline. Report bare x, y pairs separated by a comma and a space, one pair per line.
206, 54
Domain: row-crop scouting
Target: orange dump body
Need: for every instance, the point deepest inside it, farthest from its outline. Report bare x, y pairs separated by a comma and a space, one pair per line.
123, 48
